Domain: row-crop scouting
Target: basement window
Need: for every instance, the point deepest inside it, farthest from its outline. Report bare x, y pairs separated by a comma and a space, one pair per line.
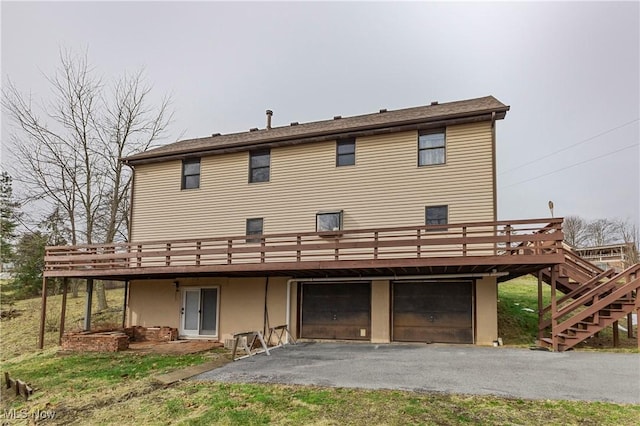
346, 152
191, 173
431, 148
329, 221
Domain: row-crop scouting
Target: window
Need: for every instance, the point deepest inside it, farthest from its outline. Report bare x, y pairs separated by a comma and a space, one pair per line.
431, 148
254, 227
259, 164
346, 152
436, 215
191, 173
329, 221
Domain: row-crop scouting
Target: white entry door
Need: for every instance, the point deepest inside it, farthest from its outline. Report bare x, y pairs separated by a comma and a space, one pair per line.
199, 312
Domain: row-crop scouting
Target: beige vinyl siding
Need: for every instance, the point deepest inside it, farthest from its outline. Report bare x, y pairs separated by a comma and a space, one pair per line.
385, 187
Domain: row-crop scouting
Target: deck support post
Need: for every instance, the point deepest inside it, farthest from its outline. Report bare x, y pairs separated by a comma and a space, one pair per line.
554, 307
124, 304
87, 306
63, 313
43, 313
630, 325
540, 307
616, 334
638, 318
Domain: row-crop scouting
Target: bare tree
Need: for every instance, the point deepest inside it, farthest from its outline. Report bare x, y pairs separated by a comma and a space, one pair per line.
128, 126
601, 232
575, 230
67, 150
629, 233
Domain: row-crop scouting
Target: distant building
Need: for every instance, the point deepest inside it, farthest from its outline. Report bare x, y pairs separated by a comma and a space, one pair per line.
616, 256
6, 271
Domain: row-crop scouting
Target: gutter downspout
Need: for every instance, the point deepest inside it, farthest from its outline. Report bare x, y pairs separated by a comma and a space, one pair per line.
389, 277
133, 186
494, 166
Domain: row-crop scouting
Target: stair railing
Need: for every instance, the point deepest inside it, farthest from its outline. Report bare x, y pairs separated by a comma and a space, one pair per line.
579, 291
598, 298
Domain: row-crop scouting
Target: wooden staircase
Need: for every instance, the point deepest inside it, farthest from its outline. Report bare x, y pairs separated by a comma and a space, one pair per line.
573, 273
592, 305
593, 298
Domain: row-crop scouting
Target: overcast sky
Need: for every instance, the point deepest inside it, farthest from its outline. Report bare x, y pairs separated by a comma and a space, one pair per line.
569, 71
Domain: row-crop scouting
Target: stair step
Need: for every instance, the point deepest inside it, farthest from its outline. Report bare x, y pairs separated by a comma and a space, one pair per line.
568, 336
578, 330
547, 342
620, 306
611, 314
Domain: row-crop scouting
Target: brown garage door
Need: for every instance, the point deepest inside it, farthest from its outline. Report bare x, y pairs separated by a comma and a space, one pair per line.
433, 312
336, 311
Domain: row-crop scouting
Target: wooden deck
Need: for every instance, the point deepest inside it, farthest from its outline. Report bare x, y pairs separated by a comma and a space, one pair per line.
480, 247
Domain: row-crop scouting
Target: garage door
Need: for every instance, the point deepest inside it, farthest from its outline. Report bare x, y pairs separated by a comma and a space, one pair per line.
438, 312
336, 311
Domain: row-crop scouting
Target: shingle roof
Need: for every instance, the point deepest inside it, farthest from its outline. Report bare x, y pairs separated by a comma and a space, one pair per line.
336, 126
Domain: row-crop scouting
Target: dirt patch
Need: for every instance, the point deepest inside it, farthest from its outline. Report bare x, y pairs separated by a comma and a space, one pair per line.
175, 347
81, 410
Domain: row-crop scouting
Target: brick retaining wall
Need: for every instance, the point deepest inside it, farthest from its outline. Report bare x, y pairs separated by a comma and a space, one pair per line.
112, 341
153, 334
115, 340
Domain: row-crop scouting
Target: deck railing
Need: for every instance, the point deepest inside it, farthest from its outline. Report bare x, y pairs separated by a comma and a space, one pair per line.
465, 240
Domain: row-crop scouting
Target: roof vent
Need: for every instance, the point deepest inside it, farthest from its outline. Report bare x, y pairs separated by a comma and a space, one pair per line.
294, 123
337, 117
434, 103
254, 129
269, 115
382, 110
213, 135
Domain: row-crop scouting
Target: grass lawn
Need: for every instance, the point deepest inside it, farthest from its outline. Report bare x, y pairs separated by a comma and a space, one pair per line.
89, 389
15, 341
118, 389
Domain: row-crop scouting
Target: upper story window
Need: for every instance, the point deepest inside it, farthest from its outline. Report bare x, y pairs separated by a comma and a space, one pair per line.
346, 152
431, 148
254, 227
436, 215
329, 221
191, 173
259, 165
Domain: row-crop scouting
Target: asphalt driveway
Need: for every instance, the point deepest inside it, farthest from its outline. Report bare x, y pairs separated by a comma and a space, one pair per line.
508, 372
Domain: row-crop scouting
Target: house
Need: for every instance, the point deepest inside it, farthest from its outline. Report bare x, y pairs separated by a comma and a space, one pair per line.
379, 227
616, 256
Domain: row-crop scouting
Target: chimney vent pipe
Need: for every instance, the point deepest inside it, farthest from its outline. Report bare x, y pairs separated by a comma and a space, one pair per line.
269, 115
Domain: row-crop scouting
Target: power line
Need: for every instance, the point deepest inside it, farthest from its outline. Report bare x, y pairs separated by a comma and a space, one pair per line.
573, 165
569, 147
